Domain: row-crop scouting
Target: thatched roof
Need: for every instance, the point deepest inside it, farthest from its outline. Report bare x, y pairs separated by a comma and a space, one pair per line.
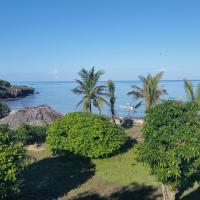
39, 115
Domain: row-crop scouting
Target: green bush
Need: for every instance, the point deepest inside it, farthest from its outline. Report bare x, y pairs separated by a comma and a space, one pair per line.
4, 110
4, 83
30, 134
12, 162
171, 145
86, 135
39, 134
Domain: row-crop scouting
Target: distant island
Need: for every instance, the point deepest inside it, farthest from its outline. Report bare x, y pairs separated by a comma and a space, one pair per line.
8, 91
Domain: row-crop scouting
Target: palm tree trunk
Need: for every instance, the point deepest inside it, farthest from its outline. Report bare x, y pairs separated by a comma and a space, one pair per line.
113, 119
90, 108
148, 104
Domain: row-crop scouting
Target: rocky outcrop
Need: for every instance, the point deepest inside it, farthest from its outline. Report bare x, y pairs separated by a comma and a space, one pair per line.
13, 91
39, 115
129, 122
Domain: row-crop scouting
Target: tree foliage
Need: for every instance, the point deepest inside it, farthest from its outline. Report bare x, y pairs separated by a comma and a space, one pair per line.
86, 135
12, 163
4, 110
4, 83
91, 91
193, 96
150, 90
27, 134
171, 145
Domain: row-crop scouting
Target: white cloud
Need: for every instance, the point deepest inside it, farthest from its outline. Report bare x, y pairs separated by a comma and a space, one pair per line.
55, 73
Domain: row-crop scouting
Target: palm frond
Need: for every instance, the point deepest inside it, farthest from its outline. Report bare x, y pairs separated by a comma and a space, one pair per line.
138, 105
198, 94
83, 74
189, 90
88, 87
80, 102
158, 76
136, 94
78, 90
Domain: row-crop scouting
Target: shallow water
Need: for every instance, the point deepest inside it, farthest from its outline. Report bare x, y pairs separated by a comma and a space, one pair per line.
59, 96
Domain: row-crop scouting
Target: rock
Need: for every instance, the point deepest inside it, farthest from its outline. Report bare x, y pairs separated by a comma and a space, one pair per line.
118, 121
127, 122
138, 122
124, 121
39, 115
13, 91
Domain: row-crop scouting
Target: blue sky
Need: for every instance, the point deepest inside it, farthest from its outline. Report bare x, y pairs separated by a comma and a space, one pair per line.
54, 39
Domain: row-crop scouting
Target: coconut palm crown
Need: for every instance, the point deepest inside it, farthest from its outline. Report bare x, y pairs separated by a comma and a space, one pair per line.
91, 91
193, 96
150, 90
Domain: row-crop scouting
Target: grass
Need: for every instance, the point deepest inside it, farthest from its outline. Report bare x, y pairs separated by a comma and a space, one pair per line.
120, 177
123, 169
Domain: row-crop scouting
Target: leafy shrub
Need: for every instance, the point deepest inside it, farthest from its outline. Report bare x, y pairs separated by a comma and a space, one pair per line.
86, 135
23, 134
4, 110
12, 162
30, 134
39, 134
171, 145
4, 83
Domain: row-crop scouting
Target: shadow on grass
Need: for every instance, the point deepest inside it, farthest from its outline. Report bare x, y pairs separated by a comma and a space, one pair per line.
132, 192
128, 145
54, 177
195, 195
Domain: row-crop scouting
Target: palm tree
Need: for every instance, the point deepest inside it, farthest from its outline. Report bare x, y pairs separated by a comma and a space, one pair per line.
91, 91
150, 91
193, 96
112, 98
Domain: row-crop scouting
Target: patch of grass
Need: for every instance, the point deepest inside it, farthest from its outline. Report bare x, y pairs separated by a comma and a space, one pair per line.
51, 177
120, 177
39, 155
123, 169
135, 133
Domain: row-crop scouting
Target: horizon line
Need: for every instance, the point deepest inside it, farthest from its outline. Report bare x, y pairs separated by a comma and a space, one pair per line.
101, 80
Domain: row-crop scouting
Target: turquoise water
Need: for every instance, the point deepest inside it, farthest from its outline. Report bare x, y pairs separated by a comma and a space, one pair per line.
59, 96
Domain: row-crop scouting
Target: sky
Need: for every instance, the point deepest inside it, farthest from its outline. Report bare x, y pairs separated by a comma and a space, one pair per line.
51, 40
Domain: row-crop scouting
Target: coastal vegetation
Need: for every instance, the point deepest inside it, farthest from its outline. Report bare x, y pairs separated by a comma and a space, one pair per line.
171, 147
83, 155
4, 83
192, 95
86, 135
12, 162
150, 90
93, 93
4, 110
8, 91
28, 135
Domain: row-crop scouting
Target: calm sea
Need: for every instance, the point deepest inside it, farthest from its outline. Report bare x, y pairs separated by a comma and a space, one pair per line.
58, 95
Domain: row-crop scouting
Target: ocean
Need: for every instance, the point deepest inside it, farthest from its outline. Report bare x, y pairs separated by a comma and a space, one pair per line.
58, 95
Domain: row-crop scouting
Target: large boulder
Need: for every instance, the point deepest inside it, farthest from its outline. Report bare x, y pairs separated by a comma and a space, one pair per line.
39, 115
13, 91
